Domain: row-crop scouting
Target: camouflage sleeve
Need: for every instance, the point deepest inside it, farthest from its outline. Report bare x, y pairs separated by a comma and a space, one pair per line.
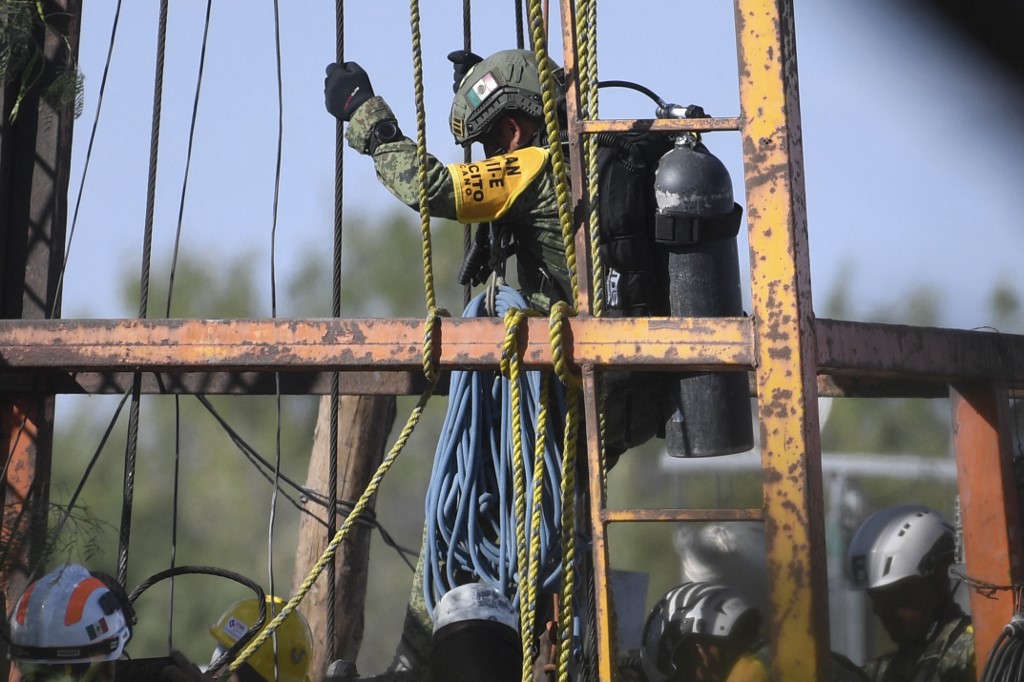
958, 662
396, 162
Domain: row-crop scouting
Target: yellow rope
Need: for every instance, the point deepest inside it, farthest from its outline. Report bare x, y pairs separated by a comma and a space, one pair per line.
557, 157
430, 366
538, 501
357, 510
421, 153
586, 38
559, 312
510, 368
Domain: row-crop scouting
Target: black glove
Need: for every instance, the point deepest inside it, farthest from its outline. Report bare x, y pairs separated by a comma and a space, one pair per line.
462, 61
345, 89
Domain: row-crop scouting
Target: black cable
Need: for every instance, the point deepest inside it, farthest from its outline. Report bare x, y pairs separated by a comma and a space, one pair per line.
273, 311
167, 310
131, 449
261, 600
335, 404
629, 85
343, 507
520, 38
467, 153
1006, 660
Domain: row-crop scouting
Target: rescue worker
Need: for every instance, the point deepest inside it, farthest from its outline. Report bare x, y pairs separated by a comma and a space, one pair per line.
901, 555
70, 625
702, 631
289, 663
294, 647
498, 103
708, 632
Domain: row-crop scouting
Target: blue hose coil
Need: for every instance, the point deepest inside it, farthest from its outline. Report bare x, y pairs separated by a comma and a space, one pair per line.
470, 512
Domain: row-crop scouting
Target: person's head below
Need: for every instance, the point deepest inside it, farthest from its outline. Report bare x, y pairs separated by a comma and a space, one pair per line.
294, 642
697, 631
901, 556
71, 625
500, 104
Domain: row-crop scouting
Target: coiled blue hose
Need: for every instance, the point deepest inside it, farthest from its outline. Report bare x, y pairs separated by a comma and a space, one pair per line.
470, 518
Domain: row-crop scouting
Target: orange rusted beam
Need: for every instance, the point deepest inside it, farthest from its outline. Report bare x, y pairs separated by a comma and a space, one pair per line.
989, 507
660, 124
26, 438
784, 327
270, 345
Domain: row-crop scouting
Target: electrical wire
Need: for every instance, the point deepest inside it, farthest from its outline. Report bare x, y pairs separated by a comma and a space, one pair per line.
471, 529
273, 308
1006, 661
342, 507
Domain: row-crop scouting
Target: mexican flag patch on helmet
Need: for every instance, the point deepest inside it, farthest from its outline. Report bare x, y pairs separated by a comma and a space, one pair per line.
481, 89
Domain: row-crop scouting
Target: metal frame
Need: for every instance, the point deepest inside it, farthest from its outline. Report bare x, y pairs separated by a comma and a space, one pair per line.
792, 357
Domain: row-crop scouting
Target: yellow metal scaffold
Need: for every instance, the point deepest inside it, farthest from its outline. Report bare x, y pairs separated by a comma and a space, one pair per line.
793, 356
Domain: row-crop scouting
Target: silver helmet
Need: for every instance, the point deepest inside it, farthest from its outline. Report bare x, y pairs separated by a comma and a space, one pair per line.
691, 609
899, 542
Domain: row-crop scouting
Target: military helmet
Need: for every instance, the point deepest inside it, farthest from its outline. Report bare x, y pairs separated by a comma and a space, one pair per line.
899, 542
504, 82
693, 608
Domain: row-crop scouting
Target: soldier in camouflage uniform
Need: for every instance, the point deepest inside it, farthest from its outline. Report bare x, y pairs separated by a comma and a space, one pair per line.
901, 556
498, 103
513, 187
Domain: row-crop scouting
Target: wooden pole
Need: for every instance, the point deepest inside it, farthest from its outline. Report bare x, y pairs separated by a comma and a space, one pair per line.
365, 423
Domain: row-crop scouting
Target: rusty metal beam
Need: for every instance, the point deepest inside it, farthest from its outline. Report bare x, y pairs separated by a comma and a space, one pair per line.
989, 507
398, 382
642, 515
861, 359
784, 325
216, 383
661, 125
941, 355
271, 345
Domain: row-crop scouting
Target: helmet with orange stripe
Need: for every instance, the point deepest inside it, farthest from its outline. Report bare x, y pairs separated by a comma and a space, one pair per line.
70, 616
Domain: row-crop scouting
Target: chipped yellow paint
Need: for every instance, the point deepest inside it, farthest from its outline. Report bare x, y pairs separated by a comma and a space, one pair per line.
784, 329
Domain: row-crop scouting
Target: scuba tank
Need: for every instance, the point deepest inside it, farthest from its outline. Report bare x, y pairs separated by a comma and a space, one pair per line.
696, 223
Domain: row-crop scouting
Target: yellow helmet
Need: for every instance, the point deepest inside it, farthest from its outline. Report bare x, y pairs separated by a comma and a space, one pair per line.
294, 639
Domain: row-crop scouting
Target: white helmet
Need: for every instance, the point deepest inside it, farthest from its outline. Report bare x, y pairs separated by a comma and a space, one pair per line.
691, 609
475, 601
899, 542
69, 616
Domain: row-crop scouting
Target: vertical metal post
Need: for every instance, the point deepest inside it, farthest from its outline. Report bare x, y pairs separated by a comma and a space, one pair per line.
35, 153
989, 506
786, 346
597, 501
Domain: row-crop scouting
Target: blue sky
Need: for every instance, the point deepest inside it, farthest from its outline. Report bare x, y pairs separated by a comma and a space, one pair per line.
912, 147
